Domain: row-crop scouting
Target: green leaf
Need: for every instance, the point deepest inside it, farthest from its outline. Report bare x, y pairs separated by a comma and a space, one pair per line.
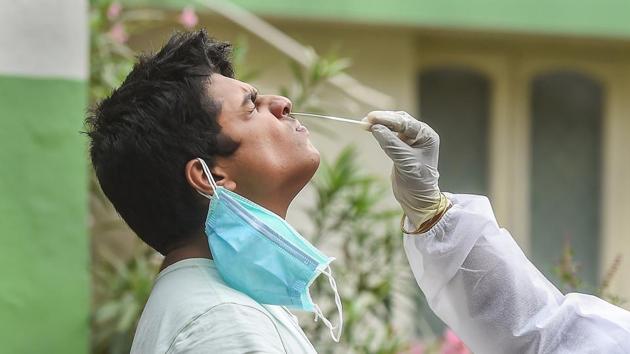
296, 71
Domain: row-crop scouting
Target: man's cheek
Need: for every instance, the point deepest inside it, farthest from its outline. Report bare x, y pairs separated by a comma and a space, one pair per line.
279, 135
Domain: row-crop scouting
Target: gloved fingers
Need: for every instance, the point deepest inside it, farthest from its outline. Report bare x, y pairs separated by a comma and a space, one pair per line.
385, 137
426, 136
401, 122
367, 126
396, 149
392, 120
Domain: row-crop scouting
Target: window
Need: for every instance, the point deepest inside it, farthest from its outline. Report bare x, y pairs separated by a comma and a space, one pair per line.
455, 102
566, 109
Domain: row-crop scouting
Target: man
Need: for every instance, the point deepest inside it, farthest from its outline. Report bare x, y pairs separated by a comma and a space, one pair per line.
177, 112
474, 276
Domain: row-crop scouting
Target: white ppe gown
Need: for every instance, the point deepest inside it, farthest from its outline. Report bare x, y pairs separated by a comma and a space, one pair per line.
479, 282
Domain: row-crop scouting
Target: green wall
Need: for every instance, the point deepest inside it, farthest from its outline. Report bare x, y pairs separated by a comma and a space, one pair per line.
44, 291
608, 18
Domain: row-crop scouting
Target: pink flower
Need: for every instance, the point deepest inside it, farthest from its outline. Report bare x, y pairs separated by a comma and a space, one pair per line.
114, 10
188, 18
452, 344
416, 348
118, 34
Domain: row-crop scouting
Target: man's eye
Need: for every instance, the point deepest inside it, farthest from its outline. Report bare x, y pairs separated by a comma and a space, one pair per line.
253, 96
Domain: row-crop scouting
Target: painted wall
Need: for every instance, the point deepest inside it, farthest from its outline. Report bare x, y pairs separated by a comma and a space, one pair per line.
44, 292
607, 18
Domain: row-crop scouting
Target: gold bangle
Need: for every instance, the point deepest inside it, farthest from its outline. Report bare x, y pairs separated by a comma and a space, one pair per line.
443, 206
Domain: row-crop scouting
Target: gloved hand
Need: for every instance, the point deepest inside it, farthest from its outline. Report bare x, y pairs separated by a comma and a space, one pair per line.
414, 148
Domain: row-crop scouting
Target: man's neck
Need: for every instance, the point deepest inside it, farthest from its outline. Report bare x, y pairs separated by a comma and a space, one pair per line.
279, 209
278, 203
198, 248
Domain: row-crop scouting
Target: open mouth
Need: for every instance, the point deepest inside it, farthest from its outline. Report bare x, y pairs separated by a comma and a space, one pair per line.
299, 127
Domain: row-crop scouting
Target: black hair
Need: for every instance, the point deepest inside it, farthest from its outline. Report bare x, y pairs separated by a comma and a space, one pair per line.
144, 133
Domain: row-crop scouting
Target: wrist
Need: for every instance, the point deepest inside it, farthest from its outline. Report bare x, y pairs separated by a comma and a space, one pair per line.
426, 224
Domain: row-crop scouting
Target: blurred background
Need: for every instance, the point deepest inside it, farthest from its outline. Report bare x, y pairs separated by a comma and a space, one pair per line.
531, 100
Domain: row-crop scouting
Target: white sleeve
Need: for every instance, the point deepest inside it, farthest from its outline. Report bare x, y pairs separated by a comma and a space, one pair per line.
479, 282
230, 329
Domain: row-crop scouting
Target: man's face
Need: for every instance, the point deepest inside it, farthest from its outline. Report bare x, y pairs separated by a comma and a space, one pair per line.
275, 156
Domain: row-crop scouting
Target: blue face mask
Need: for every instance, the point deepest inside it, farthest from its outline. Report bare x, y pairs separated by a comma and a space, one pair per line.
258, 253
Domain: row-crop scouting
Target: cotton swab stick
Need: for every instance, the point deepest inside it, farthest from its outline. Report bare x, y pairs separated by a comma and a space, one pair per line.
365, 125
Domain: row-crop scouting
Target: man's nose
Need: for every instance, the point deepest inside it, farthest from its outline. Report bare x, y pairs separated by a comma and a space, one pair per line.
279, 106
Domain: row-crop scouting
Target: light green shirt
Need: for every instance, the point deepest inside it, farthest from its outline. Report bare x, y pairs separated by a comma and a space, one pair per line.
191, 310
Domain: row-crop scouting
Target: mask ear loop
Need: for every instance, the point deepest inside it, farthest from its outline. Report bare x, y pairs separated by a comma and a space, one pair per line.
213, 184
318, 312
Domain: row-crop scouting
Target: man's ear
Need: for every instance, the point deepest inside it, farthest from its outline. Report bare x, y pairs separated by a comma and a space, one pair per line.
199, 181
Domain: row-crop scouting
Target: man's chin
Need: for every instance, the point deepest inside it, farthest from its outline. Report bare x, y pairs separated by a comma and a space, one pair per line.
312, 162
309, 163
313, 150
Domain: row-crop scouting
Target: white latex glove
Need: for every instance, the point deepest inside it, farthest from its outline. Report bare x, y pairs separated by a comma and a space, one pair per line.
414, 148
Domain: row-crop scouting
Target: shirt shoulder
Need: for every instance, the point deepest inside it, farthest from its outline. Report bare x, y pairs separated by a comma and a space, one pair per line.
183, 292
229, 328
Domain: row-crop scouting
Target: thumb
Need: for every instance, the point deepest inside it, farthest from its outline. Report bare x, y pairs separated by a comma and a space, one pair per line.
389, 141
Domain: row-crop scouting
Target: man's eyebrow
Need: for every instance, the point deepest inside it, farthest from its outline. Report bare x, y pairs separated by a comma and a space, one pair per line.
249, 96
